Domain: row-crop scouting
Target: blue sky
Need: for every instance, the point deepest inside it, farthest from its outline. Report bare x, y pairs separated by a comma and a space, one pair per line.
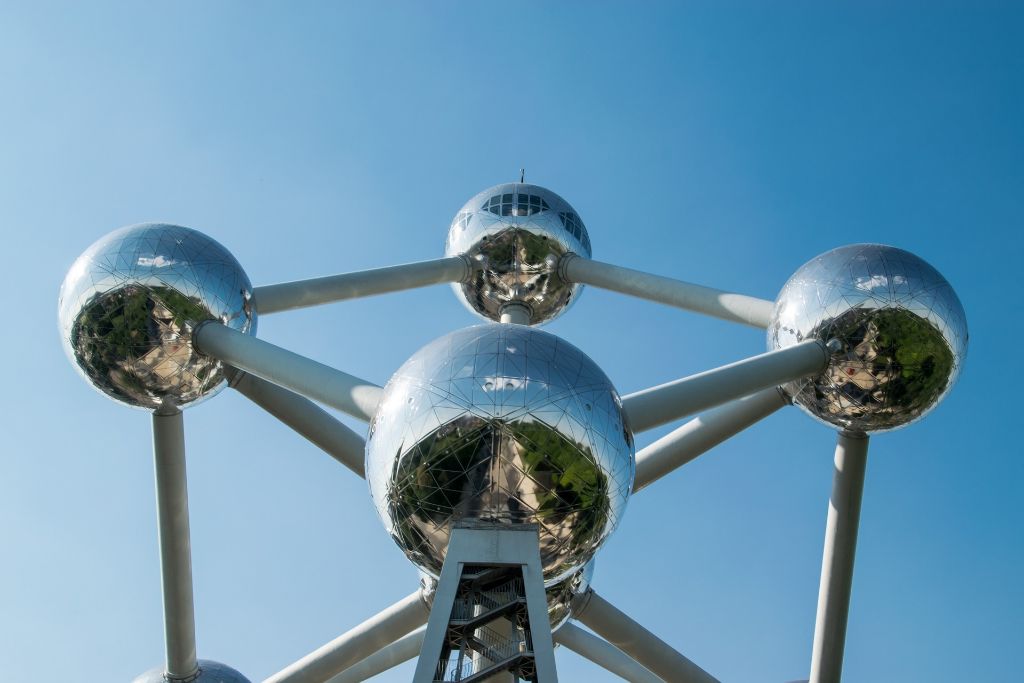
720, 143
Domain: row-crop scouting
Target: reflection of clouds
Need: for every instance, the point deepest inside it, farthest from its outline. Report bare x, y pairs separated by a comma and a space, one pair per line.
878, 282
160, 261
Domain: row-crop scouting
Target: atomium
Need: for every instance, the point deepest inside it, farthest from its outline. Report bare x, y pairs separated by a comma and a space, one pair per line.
503, 427
129, 304
899, 328
209, 672
516, 233
502, 423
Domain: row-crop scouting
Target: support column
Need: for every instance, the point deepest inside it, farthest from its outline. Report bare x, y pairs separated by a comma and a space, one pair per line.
837, 560
175, 545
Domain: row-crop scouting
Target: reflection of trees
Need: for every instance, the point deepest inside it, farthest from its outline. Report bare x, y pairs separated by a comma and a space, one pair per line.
904, 359
115, 329
515, 259
518, 472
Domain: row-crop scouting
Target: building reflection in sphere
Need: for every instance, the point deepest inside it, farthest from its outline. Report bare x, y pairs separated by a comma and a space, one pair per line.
130, 302
900, 327
502, 423
515, 233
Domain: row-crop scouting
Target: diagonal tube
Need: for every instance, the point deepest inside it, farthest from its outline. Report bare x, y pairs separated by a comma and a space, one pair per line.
388, 657
646, 648
317, 381
837, 559
658, 405
602, 653
306, 418
358, 643
175, 544
287, 296
703, 433
714, 302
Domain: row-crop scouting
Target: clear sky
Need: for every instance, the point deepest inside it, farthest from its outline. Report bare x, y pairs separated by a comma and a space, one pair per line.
720, 143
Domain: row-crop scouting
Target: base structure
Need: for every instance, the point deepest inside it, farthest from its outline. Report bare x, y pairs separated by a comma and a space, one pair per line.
489, 615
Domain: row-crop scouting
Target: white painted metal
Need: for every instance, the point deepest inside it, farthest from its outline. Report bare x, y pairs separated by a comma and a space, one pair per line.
515, 313
357, 644
658, 405
837, 560
306, 418
388, 657
175, 544
314, 380
322, 290
603, 653
714, 302
489, 544
703, 433
652, 652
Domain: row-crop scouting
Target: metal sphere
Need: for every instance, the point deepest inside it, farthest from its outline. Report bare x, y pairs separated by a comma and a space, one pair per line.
560, 594
899, 327
501, 423
209, 672
516, 233
129, 304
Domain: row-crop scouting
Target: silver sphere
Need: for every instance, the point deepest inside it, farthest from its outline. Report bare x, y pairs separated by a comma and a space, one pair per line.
209, 672
129, 304
560, 594
507, 424
900, 330
515, 234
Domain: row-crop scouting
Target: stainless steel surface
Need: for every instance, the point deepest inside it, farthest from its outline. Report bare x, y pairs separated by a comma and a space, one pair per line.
560, 594
355, 645
653, 407
515, 234
306, 418
500, 423
703, 433
175, 543
604, 654
388, 657
738, 308
288, 296
651, 651
900, 330
317, 381
129, 304
838, 557
209, 672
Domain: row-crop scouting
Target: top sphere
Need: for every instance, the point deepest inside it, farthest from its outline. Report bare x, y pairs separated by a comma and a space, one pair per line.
901, 331
209, 672
515, 233
130, 302
507, 424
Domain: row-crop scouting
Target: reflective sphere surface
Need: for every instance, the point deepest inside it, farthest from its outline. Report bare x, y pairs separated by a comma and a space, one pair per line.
129, 304
515, 234
507, 424
560, 594
209, 672
901, 329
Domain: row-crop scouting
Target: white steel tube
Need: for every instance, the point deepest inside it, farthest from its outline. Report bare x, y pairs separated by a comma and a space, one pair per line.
714, 302
322, 290
515, 313
648, 649
357, 644
602, 653
388, 657
175, 544
317, 381
703, 433
837, 560
307, 419
658, 405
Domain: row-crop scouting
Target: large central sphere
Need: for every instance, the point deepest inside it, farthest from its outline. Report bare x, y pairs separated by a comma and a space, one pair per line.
507, 424
516, 233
